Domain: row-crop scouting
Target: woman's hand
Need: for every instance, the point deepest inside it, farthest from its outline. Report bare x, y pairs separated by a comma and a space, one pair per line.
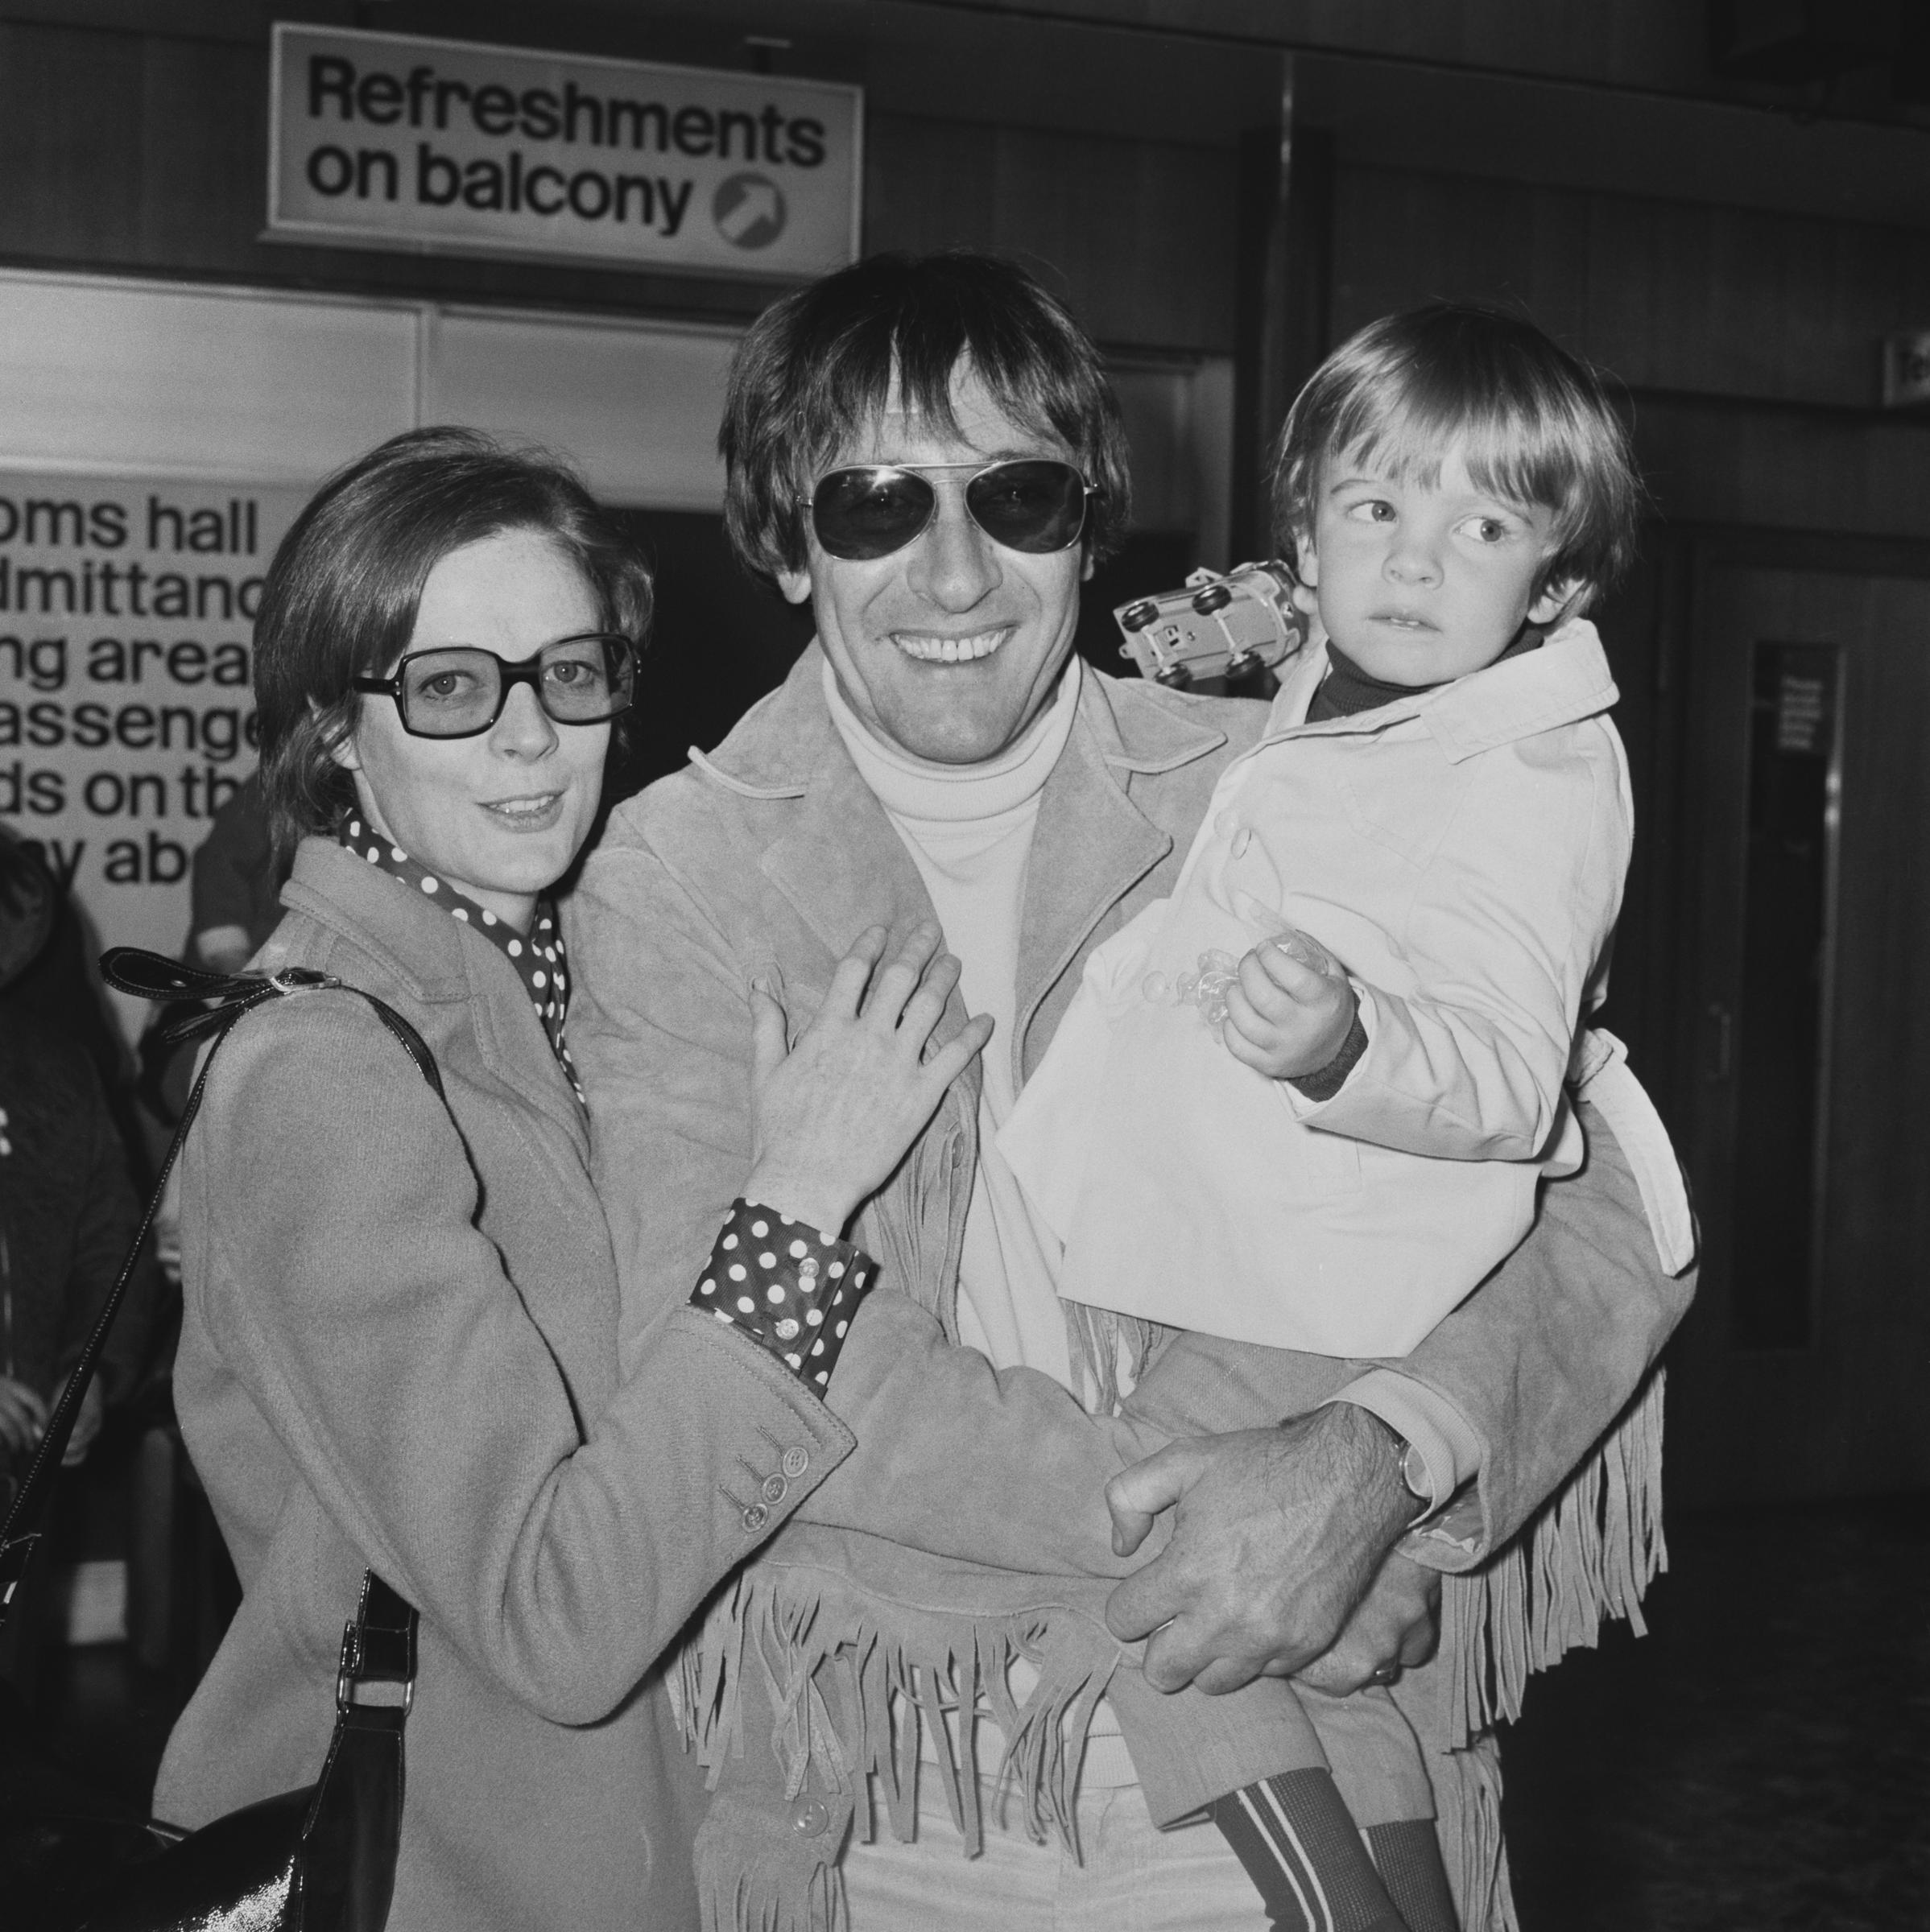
832, 1117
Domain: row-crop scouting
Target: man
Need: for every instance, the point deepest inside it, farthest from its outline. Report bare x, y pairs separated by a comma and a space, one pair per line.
927, 452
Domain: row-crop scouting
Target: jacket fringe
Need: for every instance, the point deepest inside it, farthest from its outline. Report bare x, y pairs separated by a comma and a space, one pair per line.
1589, 1553
797, 1886
849, 1702
1467, 1802
1097, 1339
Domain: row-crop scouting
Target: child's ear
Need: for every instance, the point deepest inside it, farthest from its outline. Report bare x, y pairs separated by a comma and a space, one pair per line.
1563, 598
1306, 571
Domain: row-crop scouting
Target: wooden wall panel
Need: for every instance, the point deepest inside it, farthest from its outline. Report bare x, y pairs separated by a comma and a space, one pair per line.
1785, 469
1138, 235
1668, 295
203, 174
1646, 43
70, 123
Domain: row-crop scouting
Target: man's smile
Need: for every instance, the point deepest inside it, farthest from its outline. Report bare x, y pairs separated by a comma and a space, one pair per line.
936, 648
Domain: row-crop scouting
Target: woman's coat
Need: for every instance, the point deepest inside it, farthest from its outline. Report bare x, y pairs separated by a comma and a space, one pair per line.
399, 1350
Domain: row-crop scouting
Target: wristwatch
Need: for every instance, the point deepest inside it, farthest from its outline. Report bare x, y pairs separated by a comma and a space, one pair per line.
1414, 1471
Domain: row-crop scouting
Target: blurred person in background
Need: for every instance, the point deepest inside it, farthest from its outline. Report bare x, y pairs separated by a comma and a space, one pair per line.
237, 883
67, 1213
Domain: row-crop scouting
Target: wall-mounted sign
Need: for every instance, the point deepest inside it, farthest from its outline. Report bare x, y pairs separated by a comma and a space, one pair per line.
126, 707
390, 141
1907, 368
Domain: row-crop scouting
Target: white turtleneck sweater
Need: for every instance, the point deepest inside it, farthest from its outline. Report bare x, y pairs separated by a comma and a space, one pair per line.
969, 829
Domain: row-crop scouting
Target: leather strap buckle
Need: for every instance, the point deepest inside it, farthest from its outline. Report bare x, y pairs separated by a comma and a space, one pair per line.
360, 1672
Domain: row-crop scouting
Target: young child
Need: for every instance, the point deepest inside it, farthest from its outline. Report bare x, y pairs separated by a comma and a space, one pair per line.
1306, 1101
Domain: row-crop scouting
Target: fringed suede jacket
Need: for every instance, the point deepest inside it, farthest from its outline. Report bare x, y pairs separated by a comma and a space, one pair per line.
967, 1527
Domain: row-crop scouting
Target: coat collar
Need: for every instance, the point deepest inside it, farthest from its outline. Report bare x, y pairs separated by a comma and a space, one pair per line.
436, 960
421, 946
1566, 680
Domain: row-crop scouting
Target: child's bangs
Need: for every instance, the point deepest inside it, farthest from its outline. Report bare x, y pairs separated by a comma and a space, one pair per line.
1515, 453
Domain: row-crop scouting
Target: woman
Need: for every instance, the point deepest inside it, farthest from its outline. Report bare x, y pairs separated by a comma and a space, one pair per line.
399, 1350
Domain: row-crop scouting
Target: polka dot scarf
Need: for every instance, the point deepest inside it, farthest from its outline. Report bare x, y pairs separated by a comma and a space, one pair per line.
789, 1289
537, 957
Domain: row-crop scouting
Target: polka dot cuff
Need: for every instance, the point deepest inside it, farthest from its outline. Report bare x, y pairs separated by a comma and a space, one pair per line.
787, 1287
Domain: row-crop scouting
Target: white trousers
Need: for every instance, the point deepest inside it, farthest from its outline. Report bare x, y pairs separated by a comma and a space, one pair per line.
1132, 1876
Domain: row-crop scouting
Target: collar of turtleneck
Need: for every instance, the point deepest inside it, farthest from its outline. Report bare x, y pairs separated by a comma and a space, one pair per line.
916, 789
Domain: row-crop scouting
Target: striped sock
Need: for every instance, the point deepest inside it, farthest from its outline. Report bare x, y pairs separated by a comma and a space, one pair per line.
1408, 1855
1304, 1852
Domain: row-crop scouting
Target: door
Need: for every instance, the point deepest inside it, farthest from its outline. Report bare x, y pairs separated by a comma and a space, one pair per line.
1805, 1367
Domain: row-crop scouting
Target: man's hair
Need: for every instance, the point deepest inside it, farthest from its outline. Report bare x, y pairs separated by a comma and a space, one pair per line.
818, 367
1533, 424
340, 597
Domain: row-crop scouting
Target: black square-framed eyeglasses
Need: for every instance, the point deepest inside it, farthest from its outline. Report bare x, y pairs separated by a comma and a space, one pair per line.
458, 691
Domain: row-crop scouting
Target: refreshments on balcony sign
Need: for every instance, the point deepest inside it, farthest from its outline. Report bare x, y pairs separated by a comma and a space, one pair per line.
392, 141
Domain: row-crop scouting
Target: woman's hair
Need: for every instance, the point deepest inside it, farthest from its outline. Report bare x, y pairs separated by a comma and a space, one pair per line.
816, 368
1532, 423
340, 597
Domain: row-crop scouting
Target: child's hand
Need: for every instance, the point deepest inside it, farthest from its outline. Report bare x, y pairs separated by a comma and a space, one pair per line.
1290, 1008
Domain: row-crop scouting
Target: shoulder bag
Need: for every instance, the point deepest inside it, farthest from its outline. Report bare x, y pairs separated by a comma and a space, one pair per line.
321, 1859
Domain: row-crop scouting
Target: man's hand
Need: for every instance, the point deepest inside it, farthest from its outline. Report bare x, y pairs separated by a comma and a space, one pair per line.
1289, 1008
1279, 1533
22, 1415
1394, 1627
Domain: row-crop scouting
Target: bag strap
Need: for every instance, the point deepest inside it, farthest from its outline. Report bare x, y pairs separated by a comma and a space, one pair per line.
151, 976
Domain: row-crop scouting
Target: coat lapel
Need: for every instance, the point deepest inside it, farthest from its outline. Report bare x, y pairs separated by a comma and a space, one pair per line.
1094, 844
840, 863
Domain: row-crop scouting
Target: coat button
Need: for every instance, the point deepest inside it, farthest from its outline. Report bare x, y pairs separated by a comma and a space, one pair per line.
795, 1462
755, 1517
775, 1488
1241, 839
809, 1817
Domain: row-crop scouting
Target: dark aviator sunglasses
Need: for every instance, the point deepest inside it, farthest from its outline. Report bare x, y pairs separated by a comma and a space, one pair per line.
1033, 504
459, 691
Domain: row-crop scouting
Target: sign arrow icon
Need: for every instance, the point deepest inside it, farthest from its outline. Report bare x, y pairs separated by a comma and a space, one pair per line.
755, 215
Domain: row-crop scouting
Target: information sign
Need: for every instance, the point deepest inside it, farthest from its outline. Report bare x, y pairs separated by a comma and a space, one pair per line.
126, 705
393, 141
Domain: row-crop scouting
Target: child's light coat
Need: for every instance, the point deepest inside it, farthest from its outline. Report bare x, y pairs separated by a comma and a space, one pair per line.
1461, 852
